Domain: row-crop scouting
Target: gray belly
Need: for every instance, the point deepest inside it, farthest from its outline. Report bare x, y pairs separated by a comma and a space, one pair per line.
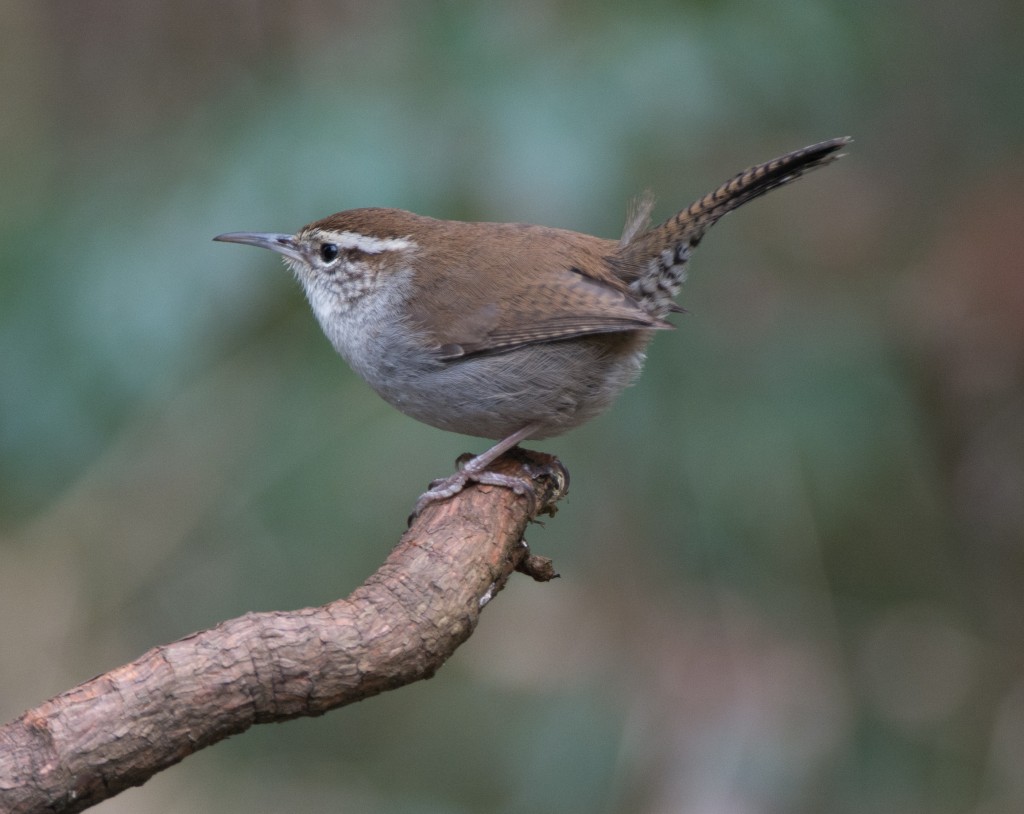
558, 384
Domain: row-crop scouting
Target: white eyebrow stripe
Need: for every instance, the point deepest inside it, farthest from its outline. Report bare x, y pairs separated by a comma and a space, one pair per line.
368, 244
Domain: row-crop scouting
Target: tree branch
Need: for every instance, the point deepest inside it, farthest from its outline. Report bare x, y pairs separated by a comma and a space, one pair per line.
120, 728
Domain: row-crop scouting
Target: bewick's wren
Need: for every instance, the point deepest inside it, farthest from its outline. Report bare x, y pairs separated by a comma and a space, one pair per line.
503, 330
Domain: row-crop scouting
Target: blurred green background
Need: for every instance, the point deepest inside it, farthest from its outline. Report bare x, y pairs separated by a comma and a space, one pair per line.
793, 571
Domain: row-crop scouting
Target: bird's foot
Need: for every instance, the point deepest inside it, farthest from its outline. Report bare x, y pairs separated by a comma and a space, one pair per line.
473, 470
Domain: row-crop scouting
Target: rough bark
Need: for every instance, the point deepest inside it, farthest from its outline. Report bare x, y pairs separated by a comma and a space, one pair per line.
120, 728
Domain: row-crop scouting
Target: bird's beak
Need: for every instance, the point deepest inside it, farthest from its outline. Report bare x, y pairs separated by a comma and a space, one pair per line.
282, 244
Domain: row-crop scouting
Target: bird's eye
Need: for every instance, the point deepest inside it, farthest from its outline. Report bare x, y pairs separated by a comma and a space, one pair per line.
328, 252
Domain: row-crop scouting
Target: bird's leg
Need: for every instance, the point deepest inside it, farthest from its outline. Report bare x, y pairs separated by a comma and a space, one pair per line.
475, 470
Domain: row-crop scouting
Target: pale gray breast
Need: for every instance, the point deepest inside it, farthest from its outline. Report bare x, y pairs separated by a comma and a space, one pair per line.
558, 384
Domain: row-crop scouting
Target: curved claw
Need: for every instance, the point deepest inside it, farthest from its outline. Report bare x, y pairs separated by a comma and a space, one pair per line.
474, 468
521, 486
441, 489
444, 488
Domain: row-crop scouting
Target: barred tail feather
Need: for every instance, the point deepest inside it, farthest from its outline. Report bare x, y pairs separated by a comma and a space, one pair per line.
653, 262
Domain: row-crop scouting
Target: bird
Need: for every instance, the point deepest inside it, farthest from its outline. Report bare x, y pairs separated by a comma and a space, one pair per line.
505, 331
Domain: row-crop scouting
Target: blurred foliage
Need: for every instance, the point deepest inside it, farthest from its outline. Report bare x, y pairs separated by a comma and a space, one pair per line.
793, 553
